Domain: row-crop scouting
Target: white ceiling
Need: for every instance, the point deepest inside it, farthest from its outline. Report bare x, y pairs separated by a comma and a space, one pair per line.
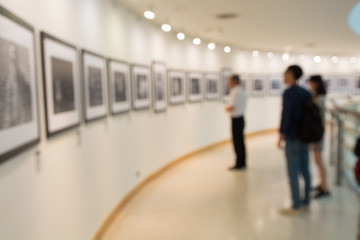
310, 26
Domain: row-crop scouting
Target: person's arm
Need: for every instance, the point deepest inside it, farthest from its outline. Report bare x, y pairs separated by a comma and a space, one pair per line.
230, 106
285, 118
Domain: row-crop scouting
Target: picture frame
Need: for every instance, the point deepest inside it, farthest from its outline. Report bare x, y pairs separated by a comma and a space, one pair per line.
343, 82
329, 81
61, 84
141, 87
19, 110
95, 93
195, 82
119, 86
176, 80
225, 75
275, 84
244, 82
159, 86
212, 83
357, 83
258, 85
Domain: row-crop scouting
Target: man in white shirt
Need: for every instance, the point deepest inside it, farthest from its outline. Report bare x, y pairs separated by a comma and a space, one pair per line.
236, 108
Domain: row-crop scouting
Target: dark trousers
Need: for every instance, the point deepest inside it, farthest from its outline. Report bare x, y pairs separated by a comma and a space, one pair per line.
238, 125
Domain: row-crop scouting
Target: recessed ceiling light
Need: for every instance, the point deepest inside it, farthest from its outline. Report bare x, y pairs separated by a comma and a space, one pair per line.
149, 15
227, 49
353, 60
255, 53
166, 27
197, 41
270, 55
181, 36
334, 59
285, 56
317, 59
211, 46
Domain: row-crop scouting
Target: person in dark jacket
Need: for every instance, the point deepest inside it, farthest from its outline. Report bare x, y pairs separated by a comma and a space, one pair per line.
297, 152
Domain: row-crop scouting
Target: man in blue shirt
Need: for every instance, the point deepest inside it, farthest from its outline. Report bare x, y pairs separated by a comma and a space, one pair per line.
297, 152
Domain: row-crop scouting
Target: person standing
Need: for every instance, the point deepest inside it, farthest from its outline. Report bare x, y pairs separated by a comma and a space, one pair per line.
297, 152
318, 88
236, 108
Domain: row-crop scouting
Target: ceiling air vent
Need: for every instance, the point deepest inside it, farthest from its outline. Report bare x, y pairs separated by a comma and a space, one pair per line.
226, 16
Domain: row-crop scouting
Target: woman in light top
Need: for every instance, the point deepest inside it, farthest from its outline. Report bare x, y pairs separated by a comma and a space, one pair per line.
318, 88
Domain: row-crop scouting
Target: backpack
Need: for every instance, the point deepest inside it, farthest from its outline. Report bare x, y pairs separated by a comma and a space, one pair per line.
310, 129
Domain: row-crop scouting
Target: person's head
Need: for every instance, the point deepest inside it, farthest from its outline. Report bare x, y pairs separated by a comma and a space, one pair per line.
317, 85
292, 74
234, 80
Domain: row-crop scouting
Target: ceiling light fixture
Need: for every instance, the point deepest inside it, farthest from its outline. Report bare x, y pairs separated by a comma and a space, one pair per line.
197, 41
285, 56
211, 46
255, 53
334, 59
227, 49
317, 59
166, 27
149, 15
181, 36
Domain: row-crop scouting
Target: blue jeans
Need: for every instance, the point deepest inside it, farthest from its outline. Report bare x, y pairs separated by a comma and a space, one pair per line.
297, 155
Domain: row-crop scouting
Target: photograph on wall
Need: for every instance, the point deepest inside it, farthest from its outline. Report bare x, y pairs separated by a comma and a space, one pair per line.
195, 85
141, 87
95, 79
329, 81
61, 82
212, 82
159, 89
19, 120
244, 79
357, 83
258, 85
119, 86
225, 75
176, 86
343, 82
275, 84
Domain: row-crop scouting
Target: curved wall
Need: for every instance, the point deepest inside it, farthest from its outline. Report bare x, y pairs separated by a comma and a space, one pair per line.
79, 176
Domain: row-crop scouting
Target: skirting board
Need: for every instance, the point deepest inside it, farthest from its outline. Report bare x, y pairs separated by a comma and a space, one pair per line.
153, 176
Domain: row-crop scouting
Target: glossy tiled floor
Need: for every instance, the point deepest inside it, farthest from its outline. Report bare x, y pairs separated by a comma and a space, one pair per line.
199, 199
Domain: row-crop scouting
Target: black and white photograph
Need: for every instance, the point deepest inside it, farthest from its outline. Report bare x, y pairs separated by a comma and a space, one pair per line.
357, 83
343, 82
119, 86
195, 87
225, 75
19, 123
258, 85
212, 82
244, 79
176, 80
141, 87
329, 81
62, 84
95, 79
159, 88
275, 84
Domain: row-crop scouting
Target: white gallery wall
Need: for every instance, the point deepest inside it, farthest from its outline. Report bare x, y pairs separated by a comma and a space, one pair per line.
66, 186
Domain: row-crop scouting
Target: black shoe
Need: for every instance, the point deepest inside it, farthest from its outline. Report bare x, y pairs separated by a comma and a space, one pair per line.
235, 168
316, 189
321, 194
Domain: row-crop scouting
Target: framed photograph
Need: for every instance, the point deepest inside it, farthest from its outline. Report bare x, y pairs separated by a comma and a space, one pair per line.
95, 79
195, 87
176, 80
225, 75
329, 81
61, 82
140, 76
159, 89
212, 82
357, 83
343, 82
275, 84
119, 86
258, 85
244, 79
19, 119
